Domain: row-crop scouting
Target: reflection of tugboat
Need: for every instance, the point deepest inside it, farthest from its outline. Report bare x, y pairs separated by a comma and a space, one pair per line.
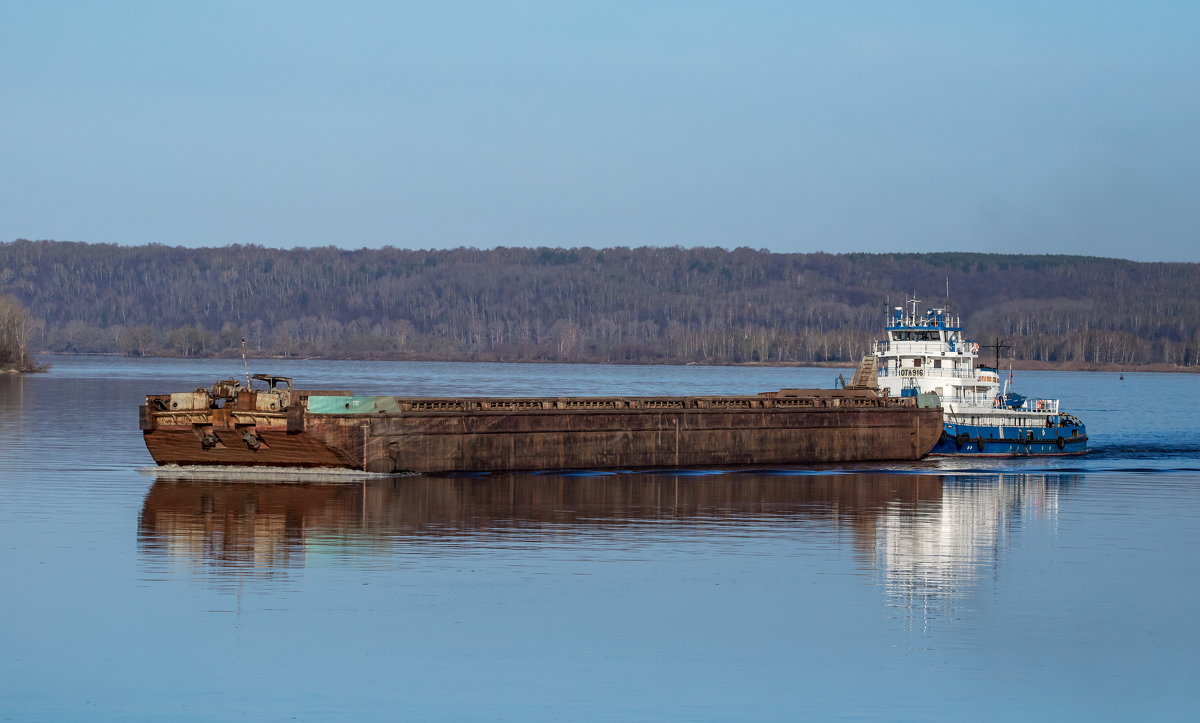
928, 353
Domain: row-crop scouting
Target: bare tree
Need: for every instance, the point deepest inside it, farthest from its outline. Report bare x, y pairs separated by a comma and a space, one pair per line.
16, 327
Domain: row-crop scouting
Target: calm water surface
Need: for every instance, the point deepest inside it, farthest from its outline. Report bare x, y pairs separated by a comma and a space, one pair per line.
936, 590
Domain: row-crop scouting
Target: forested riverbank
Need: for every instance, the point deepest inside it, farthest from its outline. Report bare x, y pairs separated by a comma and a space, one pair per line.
16, 328
641, 305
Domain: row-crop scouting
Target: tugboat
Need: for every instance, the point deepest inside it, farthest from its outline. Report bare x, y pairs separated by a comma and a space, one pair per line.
927, 352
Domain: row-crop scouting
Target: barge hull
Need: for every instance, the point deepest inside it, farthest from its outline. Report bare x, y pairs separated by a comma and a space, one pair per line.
389, 434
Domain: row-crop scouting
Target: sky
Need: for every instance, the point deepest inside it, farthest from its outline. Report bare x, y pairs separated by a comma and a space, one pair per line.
1015, 127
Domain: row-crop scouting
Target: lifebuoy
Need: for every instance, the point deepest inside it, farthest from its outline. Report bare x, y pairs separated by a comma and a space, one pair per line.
974, 348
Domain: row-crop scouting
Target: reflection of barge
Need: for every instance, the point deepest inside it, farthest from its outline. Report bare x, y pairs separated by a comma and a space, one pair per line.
232, 424
246, 518
933, 539
248, 528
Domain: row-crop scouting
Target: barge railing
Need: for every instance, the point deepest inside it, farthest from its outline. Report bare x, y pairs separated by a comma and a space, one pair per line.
399, 405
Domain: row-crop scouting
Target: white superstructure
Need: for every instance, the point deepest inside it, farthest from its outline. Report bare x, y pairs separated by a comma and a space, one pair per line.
928, 353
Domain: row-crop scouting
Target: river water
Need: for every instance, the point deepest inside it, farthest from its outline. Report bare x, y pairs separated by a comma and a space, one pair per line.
937, 590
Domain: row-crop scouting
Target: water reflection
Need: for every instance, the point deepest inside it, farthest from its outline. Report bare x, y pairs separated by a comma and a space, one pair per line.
256, 529
12, 402
930, 560
927, 537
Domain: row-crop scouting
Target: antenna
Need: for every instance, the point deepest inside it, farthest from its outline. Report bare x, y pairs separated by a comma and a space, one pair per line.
245, 365
997, 345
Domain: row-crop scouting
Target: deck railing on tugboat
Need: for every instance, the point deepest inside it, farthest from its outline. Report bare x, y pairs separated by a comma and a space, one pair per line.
916, 348
1040, 405
1007, 422
1035, 406
932, 318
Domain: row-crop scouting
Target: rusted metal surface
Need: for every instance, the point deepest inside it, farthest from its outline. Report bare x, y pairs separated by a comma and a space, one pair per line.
232, 425
866, 375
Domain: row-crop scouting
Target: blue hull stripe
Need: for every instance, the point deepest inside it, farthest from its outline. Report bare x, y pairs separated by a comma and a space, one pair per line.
960, 439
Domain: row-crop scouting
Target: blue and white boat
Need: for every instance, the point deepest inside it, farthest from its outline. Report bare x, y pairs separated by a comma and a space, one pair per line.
926, 353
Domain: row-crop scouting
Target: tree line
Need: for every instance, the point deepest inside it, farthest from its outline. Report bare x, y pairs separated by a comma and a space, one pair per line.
643, 305
16, 328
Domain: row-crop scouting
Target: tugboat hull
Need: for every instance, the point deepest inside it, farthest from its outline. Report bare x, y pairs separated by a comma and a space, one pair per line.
993, 441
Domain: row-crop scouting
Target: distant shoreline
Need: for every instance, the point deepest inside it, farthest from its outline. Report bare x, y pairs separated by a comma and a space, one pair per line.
1017, 365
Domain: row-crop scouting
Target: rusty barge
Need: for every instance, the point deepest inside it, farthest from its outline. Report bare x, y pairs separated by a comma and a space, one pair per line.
277, 425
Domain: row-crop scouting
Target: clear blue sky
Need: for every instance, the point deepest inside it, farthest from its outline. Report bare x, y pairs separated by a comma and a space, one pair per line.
1023, 127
